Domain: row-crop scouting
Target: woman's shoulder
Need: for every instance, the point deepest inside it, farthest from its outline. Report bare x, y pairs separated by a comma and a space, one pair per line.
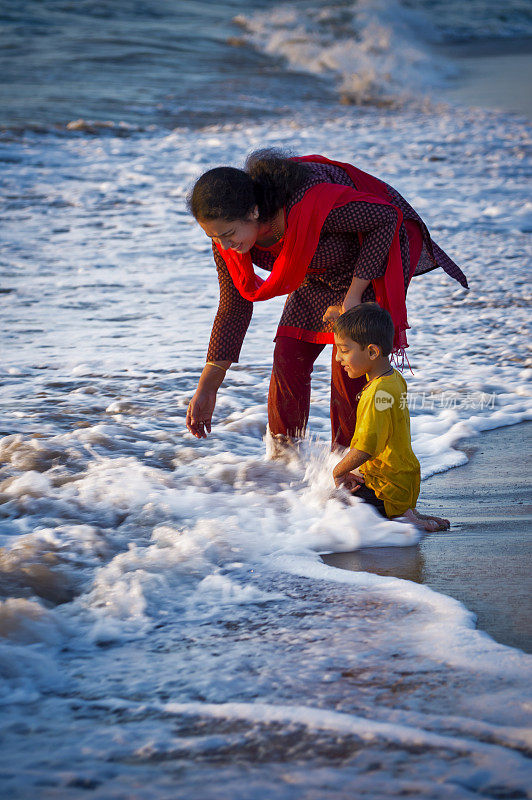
319, 173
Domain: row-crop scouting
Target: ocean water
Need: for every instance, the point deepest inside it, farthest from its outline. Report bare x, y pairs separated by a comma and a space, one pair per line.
136, 64
168, 629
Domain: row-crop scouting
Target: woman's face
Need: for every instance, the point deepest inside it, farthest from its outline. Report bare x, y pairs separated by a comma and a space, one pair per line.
239, 235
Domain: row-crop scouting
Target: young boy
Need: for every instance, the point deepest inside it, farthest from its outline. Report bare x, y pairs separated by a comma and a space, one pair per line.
380, 467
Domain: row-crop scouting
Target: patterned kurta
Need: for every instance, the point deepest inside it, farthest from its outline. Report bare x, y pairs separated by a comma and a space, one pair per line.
339, 257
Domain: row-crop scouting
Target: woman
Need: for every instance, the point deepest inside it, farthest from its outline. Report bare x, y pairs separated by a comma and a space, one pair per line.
331, 236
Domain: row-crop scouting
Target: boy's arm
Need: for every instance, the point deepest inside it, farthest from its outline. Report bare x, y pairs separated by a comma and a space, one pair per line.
352, 460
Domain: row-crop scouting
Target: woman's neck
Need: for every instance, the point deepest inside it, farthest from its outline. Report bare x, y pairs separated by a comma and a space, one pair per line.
272, 231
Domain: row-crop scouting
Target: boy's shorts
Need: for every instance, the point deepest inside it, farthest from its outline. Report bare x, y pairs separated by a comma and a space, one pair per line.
368, 496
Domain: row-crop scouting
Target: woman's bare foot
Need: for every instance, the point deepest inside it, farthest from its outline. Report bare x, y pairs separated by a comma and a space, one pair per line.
426, 522
281, 448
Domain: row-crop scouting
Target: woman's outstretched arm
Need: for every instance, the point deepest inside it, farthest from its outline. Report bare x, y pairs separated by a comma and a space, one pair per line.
228, 332
232, 317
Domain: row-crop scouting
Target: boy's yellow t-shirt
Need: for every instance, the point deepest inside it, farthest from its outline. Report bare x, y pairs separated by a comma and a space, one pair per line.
383, 431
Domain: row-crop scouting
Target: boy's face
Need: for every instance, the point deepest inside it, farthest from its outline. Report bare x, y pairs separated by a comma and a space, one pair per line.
355, 359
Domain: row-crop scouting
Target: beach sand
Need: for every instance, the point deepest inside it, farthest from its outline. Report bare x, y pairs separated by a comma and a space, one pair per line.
491, 74
484, 560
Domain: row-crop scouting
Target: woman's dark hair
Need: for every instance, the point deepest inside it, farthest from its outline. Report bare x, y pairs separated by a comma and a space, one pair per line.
366, 324
270, 178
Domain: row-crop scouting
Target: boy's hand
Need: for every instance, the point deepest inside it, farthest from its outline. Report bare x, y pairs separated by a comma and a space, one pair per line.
332, 314
351, 481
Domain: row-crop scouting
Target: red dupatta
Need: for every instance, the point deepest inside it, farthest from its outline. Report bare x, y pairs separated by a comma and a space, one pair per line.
303, 228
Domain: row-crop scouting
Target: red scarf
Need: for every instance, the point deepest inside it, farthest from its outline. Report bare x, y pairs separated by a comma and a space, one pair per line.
303, 228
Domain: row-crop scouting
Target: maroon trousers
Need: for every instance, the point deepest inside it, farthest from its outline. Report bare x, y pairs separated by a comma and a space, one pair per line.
289, 395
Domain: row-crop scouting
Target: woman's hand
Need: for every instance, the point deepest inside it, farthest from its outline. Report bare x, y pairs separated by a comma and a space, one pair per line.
332, 314
200, 408
199, 412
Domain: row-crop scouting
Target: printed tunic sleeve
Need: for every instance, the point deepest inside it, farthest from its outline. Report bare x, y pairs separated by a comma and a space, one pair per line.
377, 225
232, 318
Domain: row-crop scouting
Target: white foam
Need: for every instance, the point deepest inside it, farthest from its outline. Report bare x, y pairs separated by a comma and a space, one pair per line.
30, 483
341, 724
444, 629
29, 638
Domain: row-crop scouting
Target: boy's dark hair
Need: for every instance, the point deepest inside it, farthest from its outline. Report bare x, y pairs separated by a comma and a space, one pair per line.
365, 324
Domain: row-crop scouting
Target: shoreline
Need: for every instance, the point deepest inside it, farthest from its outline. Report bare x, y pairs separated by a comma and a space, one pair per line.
482, 560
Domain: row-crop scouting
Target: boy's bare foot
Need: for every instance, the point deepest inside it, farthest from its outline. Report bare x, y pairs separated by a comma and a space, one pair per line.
426, 522
443, 524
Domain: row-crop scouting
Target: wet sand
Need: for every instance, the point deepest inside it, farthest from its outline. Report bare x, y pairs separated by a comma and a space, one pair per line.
485, 559
491, 74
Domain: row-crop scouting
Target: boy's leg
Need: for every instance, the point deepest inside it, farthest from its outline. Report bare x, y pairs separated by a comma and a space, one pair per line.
344, 402
368, 496
289, 395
